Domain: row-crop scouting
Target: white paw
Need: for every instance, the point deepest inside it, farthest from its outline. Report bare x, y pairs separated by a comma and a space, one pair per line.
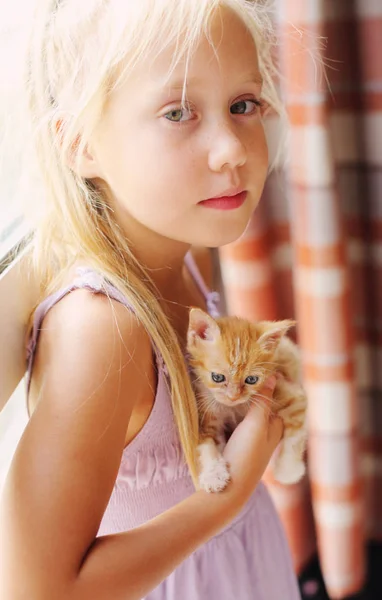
214, 476
288, 471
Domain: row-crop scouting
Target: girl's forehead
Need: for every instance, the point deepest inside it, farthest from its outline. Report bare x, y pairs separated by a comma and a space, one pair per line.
228, 47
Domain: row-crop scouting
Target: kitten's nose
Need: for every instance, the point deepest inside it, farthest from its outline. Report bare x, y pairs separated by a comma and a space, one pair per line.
234, 393
235, 398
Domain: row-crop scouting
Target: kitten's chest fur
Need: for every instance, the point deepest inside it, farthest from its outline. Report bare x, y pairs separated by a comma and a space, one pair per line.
229, 417
216, 419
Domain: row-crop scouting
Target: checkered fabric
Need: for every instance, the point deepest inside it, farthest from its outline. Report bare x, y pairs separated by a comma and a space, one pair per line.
314, 251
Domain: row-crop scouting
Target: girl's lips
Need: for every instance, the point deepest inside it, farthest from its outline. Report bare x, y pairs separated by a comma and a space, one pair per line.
225, 202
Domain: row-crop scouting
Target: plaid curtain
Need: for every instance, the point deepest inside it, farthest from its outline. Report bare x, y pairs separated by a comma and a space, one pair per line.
314, 251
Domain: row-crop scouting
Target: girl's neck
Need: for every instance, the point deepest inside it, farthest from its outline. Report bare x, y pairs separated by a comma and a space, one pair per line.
161, 257
165, 265
177, 289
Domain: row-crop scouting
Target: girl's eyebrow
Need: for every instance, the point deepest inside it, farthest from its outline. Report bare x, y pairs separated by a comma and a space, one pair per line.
254, 77
178, 84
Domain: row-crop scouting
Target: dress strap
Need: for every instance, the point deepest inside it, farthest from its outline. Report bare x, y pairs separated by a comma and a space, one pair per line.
212, 298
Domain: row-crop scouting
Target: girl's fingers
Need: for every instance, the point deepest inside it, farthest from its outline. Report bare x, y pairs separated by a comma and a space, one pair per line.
273, 425
275, 430
269, 385
264, 396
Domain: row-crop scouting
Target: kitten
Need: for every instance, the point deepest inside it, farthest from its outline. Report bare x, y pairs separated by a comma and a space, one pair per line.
231, 359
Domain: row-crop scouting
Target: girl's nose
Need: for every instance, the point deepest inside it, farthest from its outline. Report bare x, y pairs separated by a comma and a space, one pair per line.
227, 149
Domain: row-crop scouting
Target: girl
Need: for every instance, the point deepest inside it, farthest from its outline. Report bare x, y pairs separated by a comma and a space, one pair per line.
149, 135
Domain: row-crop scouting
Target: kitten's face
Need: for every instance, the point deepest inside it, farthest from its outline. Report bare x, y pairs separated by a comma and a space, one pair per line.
232, 358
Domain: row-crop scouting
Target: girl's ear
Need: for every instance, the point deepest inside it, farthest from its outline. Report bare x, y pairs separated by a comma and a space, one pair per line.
273, 333
202, 327
79, 157
85, 164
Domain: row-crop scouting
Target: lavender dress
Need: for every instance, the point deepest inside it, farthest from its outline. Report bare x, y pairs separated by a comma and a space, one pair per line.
249, 559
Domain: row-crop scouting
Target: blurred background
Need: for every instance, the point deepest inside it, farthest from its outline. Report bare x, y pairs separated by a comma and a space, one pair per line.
313, 251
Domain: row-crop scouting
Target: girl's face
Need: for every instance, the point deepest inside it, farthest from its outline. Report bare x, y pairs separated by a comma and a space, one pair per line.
160, 160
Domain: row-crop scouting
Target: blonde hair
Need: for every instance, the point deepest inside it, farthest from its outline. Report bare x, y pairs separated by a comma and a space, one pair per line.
75, 60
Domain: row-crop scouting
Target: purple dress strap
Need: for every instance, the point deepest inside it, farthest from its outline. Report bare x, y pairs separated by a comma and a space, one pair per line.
212, 298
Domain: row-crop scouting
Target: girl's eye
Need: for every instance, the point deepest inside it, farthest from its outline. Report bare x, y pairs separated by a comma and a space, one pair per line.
251, 380
179, 115
217, 377
245, 107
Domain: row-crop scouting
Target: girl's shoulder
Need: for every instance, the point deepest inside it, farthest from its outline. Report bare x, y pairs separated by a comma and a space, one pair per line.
84, 323
82, 329
92, 292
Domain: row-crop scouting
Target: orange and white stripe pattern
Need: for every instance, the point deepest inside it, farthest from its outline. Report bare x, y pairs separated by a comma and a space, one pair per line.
334, 188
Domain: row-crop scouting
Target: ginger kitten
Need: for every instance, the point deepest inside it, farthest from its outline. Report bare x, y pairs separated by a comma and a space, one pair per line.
231, 359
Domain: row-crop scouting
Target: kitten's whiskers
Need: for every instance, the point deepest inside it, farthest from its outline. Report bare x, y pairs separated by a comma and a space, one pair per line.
207, 404
268, 401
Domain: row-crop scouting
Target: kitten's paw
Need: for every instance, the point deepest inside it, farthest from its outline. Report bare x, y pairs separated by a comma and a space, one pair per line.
214, 476
288, 471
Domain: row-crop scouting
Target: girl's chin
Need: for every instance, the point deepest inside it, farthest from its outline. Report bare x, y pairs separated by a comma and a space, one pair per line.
216, 241
223, 231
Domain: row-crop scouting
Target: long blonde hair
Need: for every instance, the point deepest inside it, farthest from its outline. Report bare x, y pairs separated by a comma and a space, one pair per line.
75, 60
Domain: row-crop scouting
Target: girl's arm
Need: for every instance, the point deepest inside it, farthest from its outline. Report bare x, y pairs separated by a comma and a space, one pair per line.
89, 377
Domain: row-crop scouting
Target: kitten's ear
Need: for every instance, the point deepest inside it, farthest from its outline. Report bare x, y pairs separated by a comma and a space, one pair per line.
273, 333
202, 326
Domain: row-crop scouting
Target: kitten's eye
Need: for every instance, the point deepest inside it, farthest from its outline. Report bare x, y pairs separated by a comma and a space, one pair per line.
251, 380
217, 377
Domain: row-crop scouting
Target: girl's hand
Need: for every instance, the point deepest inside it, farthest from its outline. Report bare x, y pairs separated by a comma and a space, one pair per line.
252, 444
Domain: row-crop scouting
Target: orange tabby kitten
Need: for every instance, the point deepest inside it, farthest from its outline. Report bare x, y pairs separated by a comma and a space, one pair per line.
231, 359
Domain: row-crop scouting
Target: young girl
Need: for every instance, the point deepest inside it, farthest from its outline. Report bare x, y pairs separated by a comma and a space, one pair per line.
148, 123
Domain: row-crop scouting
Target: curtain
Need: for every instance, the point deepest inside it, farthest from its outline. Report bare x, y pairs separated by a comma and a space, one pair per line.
313, 251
